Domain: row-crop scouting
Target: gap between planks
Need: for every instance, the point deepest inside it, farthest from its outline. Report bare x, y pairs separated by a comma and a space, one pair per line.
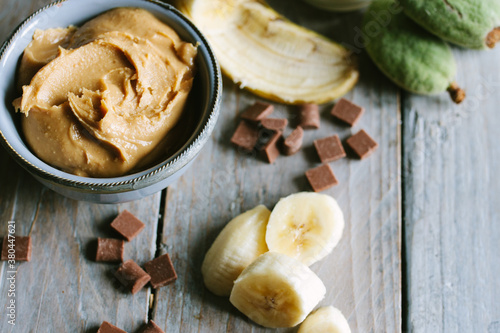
404, 264
159, 238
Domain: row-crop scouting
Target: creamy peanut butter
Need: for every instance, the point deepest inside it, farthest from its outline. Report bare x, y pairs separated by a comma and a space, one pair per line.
99, 100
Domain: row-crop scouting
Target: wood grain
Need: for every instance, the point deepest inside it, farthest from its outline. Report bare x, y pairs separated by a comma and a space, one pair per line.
452, 203
63, 289
362, 275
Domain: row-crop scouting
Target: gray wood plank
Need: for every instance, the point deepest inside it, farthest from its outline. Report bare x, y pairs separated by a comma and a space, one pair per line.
452, 203
62, 289
62, 280
362, 274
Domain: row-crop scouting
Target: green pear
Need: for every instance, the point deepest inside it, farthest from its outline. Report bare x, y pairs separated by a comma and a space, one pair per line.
473, 24
409, 55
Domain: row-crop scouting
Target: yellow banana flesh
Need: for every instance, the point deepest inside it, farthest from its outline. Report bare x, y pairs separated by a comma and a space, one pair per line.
267, 54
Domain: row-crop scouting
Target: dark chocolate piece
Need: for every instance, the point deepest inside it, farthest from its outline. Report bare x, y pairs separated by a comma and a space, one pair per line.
257, 111
347, 112
362, 144
132, 276
321, 178
109, 250
270, 149
309, 116
127, 225
151, 327
275, 124
329, 149
294, 141
19, 248
161, 270
245, 136
108, 328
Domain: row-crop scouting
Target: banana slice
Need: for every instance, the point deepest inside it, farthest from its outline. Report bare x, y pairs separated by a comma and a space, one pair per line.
277, 291
306, 226
240, 242
325, 320
265, 53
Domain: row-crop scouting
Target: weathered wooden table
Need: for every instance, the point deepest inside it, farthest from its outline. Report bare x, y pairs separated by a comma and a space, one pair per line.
420, 251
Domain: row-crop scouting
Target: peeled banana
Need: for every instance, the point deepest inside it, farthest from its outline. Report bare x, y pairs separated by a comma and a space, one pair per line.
410, 56
265, 53
473, 24
277, 291
325, 320
305, 226
240, 242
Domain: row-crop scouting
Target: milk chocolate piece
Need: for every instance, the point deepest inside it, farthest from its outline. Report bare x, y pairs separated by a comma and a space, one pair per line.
108, 328
309, 116
347, 112
275, 124
257, 111
294, 141
161, 270
151, 327
19, 246
109, 250
329, 149
127, 225
246, 136
265, 135
270, 149
362, 144
321, 178
132, 276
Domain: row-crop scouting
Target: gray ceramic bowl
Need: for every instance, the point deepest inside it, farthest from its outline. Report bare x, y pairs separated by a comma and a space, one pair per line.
206, 92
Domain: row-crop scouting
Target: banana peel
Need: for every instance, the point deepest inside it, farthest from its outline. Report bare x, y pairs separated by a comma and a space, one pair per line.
265, 53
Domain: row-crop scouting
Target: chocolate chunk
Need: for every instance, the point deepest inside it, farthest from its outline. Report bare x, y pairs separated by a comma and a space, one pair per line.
347, 112
362, 144
127, 225
132, 276
108, 328
275, 124
246, 136
309, 116
270, 149
19, 247
329, 149
257, 111
109, 250
161, 270
265, 135
321, 178
294, 141
151, 327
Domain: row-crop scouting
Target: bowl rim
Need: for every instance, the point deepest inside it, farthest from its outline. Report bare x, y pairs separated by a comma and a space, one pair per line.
136, 180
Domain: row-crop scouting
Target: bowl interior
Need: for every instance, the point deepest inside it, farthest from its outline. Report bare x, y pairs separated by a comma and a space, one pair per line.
202, 98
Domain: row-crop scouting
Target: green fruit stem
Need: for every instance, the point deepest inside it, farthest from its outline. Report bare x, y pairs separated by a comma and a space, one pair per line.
457, 94
493, 37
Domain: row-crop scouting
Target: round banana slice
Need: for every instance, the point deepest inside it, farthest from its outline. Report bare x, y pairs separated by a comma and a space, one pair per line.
267, 54
240, 242
325, 320
277, 291
306, 226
